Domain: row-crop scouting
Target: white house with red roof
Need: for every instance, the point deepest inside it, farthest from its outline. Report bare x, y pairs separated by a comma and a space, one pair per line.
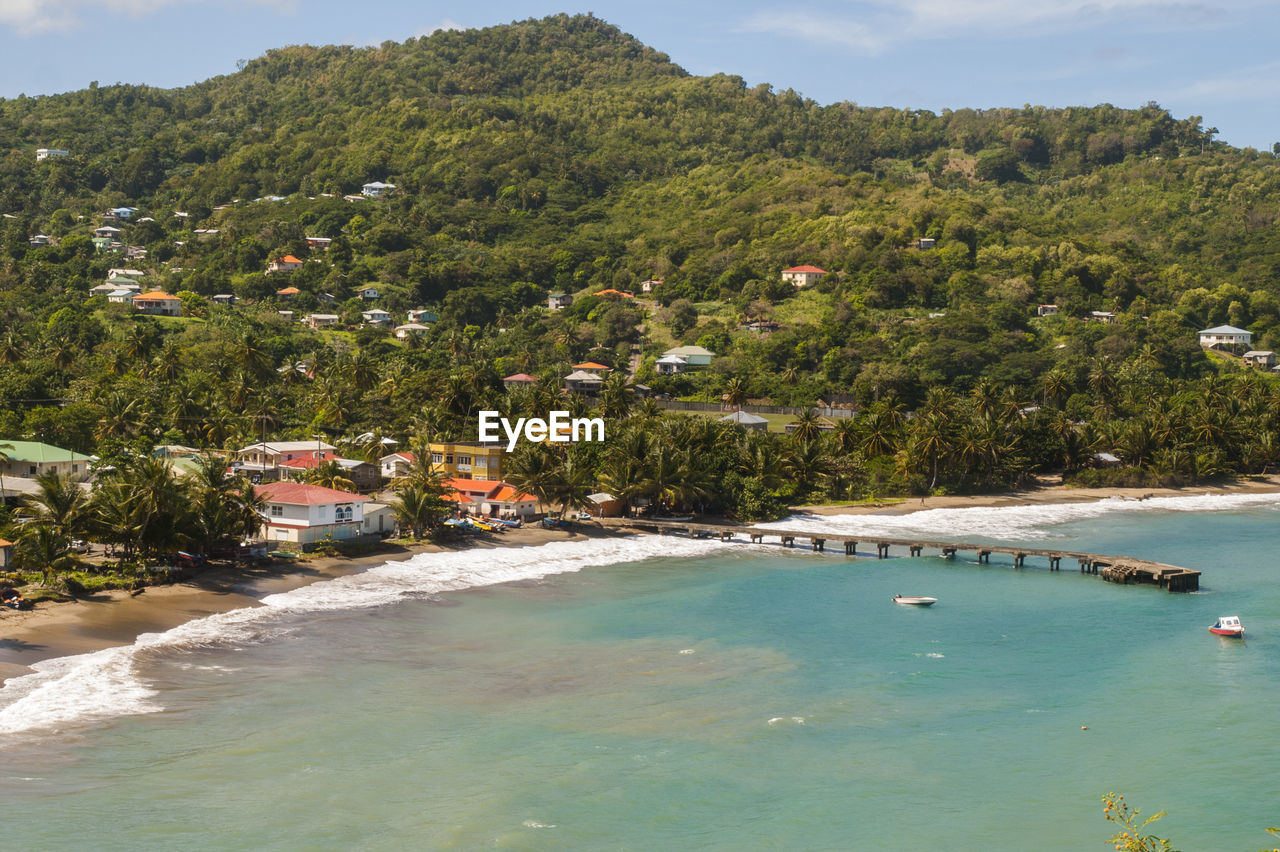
490, 498
158, 303
288, 263
803, 276
305, 514
396, 464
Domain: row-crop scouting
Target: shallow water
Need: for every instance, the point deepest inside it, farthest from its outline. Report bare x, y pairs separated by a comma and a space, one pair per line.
660, 693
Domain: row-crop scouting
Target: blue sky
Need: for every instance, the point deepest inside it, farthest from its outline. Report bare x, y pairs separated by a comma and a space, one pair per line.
1216, 59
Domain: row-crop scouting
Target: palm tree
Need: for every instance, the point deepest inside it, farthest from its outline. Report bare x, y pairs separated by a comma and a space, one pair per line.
41, 548
419, 510
329, 474
808, 426
4, 460
735, 393
58, 502
533, 470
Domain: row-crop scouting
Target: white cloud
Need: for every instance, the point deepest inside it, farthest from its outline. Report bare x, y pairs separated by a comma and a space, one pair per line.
871, 27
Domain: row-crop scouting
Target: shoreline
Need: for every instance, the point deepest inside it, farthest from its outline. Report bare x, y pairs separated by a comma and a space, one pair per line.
115, 618
118, 617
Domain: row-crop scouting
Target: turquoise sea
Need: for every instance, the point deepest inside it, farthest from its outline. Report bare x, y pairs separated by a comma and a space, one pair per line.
658, 693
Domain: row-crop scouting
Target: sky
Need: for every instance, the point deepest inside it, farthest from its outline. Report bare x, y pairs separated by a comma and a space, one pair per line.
1212, 58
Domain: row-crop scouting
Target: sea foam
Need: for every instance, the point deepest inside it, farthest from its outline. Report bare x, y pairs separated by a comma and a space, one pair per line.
105, 684
1029, 522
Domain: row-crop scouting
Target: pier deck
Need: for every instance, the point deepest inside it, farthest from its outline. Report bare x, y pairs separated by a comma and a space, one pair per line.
1115, 569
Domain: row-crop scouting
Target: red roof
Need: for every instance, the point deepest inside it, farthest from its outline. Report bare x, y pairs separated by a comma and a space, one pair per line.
309, 461
521, 377
475, 486
288, 258
508, 494
409, 457
806, 269
301, 494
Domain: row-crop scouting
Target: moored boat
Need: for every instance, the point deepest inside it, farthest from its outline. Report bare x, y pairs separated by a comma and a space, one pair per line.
1228, 625
914, 600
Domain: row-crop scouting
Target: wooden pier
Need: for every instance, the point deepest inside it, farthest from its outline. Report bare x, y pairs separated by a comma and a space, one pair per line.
1114, 569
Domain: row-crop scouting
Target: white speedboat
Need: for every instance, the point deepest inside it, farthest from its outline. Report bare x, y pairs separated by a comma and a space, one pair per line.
914, 600
1228, 625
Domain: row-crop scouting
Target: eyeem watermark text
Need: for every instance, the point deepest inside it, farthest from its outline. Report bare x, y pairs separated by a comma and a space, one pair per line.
560, 428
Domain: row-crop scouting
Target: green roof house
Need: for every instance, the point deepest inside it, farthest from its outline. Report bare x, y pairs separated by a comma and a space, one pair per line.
29, 459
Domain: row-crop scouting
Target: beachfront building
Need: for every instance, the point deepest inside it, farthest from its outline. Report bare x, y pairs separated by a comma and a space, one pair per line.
304, 514
29, 459
468, 459
803, 276
1225, 335
490, 498
6, 553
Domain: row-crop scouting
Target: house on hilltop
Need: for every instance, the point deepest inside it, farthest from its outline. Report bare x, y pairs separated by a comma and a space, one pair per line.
377, 189
158, 303
1225, 335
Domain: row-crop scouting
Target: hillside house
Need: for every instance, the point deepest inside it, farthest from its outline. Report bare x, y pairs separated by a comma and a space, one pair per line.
108, 232
396, 464
803, 276
1104, 317
1225, 335
746, 420
1046, 310
423, 315
377, 189
581, 381
926, 243
556, 301
1264, 358
411, 329
305, 514
287, 293
321, 320
368, 293
648, 285
227, 299
42, 240
519, 380
321, 243
593, 367
158, 303
51, 154
376, 317
669, 365
288, 263
121, 297
694, 356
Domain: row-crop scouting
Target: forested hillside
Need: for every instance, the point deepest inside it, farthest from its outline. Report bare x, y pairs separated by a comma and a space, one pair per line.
563, 155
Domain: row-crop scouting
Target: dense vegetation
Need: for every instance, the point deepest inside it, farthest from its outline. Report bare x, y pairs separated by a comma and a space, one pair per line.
561, 154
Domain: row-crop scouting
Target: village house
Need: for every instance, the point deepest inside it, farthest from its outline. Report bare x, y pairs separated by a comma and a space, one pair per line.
42, 240
319, 242
556, 301
263, 460
368, 293
305, 514
364, 476
1046, 310
51, 154
803, 276
648, 285
226, 299
158, 303
488, 498
1225, 335
581, 381
321, 320
125, 273
121, 297
107, 232
6, 553
104, 244
288, 263
670, 365
396, 464
593, 367
423, 315
377, 189
203, 234
117, 214
926, 243
411, 329
1105, 317
29, 459
1260, 358
519, 380
693, 356
376, 317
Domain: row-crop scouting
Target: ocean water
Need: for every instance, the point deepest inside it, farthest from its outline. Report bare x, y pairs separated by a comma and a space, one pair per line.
658, 693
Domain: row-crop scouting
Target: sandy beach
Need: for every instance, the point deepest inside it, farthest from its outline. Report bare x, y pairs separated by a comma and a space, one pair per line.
117, 618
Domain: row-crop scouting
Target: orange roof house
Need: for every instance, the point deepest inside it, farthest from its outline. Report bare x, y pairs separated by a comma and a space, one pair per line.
284, 264
803, 276
612, 292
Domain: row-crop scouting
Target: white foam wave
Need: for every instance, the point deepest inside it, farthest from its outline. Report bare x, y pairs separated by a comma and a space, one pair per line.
1015, 522
103, 684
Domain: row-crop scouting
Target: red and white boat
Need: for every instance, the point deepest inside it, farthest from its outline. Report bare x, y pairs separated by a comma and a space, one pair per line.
1228, 625
914, 600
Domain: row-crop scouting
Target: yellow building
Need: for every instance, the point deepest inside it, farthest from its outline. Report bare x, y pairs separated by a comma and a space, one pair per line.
468, 459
